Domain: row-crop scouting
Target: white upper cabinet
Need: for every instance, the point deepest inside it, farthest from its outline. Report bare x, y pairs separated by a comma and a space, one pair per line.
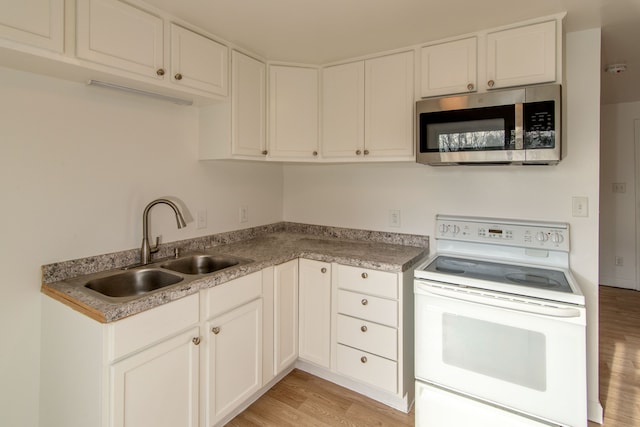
343, 107
293, 112
367, 109
38, 23
122, 36
198, 62
523, 55
449, 67
389, 95
248, 100
114, 33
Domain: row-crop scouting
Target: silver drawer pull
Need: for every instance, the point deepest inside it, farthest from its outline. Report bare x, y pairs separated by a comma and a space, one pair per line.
363, 359
365, 275
323, 270
364, 301
363, 328
215, 330
196, 340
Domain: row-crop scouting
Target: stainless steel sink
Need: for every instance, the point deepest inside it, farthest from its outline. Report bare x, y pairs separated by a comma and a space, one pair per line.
133, 282
200, 264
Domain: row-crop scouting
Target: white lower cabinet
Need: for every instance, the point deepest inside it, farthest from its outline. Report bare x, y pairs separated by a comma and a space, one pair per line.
199, 360
285, 297
232, 361
314, 318
234, 353
158, 387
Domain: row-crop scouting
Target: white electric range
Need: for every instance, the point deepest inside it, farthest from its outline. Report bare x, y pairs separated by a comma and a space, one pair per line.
500, 327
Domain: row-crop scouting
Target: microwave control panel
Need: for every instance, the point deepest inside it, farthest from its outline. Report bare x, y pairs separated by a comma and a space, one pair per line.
508, 232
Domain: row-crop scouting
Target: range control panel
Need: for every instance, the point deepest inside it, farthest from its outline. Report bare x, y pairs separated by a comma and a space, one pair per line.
508, 232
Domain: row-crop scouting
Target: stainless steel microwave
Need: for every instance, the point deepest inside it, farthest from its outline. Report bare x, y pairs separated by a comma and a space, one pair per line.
518, 126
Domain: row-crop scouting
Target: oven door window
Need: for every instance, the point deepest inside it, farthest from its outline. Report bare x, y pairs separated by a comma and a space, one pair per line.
476, 129
499, 351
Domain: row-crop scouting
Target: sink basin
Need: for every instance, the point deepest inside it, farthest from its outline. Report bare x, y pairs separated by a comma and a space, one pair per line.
134, 282
200, 264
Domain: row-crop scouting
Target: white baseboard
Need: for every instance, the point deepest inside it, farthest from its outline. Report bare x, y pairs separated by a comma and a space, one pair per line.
595, 412
618, 283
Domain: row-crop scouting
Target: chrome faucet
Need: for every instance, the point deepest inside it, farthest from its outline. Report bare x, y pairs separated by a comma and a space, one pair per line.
146, 250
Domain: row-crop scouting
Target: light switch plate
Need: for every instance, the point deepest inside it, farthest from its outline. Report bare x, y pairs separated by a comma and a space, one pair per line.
580, 206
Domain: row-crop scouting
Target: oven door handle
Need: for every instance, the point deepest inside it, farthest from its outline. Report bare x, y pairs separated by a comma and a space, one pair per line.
467, 296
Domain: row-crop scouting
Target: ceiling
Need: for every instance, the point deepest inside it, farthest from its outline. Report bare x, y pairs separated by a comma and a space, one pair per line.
323, 31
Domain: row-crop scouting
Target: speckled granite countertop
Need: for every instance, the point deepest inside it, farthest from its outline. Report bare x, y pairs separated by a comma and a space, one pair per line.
262, 246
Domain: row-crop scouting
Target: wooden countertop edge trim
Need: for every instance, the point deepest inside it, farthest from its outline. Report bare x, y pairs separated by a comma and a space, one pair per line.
65, 299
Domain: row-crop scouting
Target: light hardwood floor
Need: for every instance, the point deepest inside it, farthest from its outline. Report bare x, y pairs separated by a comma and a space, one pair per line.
301, 399
620, 356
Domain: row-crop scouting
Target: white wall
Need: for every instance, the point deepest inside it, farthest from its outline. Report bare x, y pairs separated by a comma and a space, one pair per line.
360, 196
618, 210
77, 166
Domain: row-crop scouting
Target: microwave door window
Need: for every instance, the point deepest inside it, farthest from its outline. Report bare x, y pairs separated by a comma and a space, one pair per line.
472, 135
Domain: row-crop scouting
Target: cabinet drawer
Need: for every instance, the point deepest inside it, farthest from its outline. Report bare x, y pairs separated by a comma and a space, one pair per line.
367, 336
372, 282
368, 368
367, 307
232, 294
140, 330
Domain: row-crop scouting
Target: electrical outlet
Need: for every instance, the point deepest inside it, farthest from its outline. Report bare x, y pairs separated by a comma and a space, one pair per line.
619, 261
619, 187
580, 206
202, 219
244, 214
394, 218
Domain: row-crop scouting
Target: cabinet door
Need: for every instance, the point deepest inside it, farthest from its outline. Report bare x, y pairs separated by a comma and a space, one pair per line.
449, 68
248, 89
315, 312
343, 110
119, 35
37, 23
293, 112
234, 360
285, 297
523, 55
198, 62
158, 387
389, 103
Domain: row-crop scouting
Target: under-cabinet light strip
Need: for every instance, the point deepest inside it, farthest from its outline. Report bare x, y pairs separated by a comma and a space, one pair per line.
179, 101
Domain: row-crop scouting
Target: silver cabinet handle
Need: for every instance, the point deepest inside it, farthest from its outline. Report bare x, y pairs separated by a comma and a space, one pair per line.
215, 330
178, 76
366, 152
358, 152
196, 340
363, 328
315, 153
363, 359
265, 152
364, 301
491, 83
470, 86
323, 270
160, 72
365, 275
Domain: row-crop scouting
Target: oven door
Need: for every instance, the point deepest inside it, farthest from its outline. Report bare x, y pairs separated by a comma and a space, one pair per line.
511, 352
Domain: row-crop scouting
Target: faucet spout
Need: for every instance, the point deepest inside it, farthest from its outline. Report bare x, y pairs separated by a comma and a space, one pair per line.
146, 250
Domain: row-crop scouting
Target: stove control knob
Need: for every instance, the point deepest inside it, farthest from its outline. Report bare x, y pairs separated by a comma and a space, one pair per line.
444, 228
557, 238
455, 230
542, 236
